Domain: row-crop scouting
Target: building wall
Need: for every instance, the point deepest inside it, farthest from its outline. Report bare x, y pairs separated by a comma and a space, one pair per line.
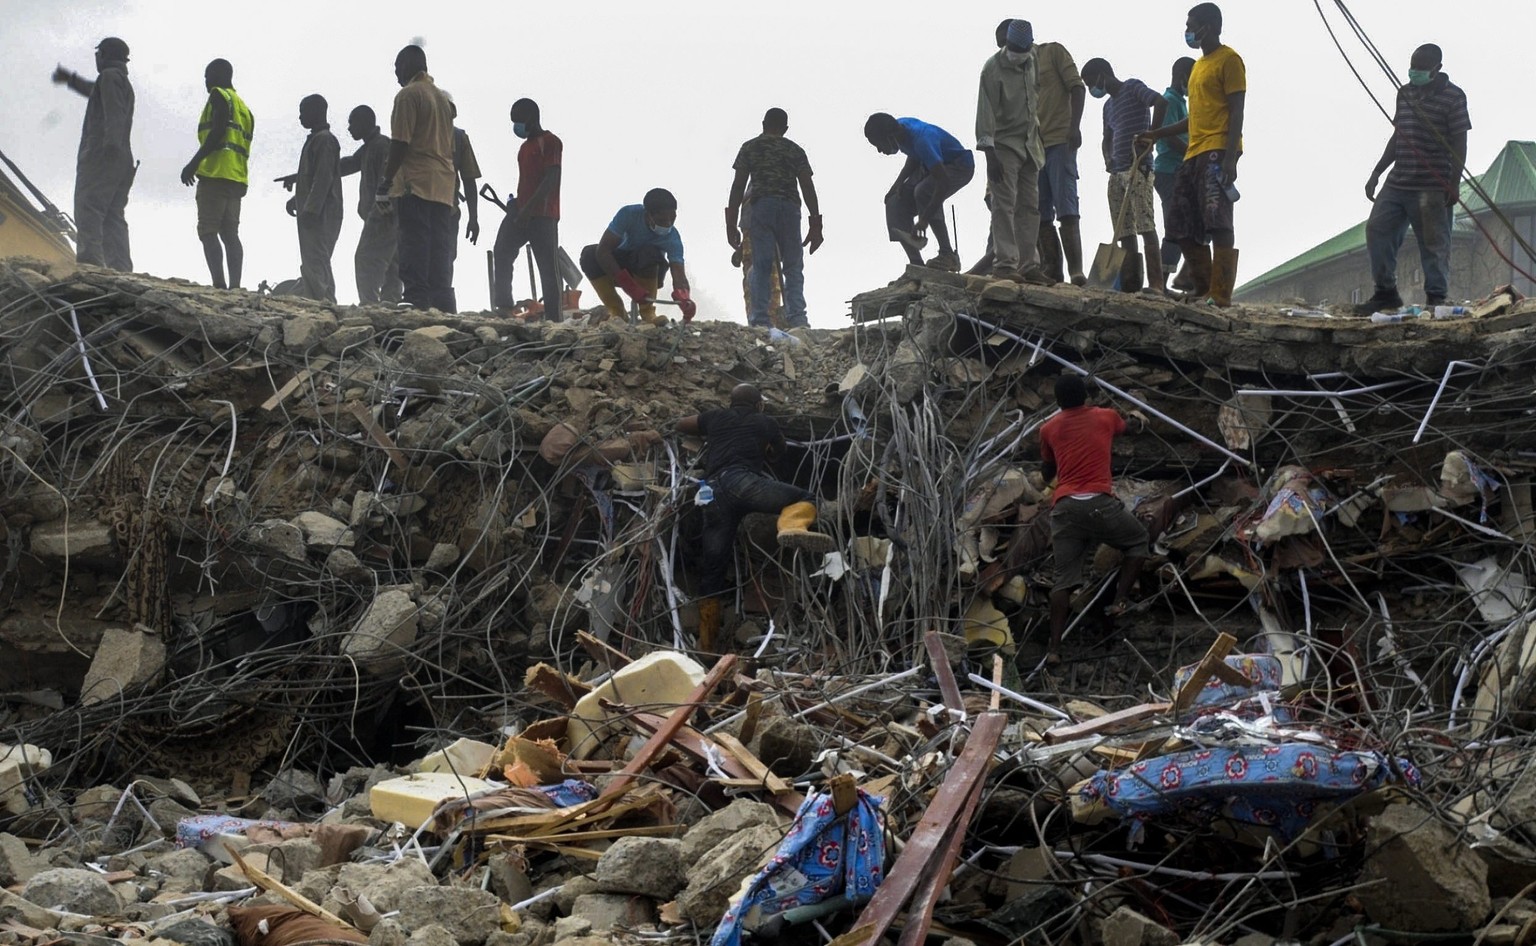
1476, 269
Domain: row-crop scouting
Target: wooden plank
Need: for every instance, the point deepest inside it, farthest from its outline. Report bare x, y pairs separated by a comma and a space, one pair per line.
920, 912
271, 884
939, 660
756, 766
365, 417
304, 374
1113, 722
601, 652
1203, 671
677, 720
845, 793
754, 713
933, 835
695, 745
555, 684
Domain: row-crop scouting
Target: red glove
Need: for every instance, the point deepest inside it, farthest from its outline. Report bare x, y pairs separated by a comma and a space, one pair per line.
685, 302
627, 282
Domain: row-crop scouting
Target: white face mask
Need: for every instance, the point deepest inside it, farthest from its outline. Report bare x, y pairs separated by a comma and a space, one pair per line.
1014, 57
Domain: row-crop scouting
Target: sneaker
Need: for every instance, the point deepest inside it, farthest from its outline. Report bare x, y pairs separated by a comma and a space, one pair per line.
1383, 301
1036, 276
909, 239
947, 261
1007, 274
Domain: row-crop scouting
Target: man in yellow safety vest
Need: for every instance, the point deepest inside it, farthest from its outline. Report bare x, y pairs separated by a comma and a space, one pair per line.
221, 170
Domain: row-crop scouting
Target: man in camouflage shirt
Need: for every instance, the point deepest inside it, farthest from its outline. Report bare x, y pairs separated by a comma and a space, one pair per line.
779, 174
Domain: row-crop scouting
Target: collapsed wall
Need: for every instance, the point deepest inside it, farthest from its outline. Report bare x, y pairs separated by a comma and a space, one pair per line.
251, 536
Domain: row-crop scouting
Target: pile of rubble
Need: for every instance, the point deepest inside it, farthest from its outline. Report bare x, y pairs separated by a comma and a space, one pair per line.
309, 642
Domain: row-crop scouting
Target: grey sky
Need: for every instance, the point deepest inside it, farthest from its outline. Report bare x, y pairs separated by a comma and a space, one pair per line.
662, 95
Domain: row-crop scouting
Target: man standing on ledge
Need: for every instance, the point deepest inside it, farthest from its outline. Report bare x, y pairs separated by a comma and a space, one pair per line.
639, 245
1075, 450
1426, 152
1008, 134
221, 170
779, 173
1204, 187
104, 168
534, 218
316, 201
376, 264
1062, 97
937, 166
741, 441
419, 182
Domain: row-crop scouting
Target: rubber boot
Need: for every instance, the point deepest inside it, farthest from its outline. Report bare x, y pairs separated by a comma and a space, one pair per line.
648, 312
1130, 273
795, 521
1223, 277
709, 623
608, 294
1198, 258
1050, 252
1072, 248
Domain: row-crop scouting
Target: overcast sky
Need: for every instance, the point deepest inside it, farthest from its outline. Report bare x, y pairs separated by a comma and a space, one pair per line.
648, 95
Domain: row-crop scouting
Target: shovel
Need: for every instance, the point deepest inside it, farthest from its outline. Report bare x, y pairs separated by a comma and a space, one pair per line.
1110, 258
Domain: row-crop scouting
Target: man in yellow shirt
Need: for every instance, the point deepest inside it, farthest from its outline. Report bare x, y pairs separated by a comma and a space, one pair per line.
420, 183
1200, 214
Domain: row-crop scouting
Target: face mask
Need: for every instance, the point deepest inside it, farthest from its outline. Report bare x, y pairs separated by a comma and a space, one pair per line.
1014, 57
1192, 39
520, 129
1097, 92
1420, 76
660, 231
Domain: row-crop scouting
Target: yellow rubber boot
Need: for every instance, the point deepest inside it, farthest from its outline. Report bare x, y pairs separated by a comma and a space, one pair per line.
794, 529
1223, 277
709, 623
648, 312
1198, 260
608, 293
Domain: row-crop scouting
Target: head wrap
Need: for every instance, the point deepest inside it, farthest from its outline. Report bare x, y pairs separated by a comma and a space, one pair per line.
1021, 34
113, 48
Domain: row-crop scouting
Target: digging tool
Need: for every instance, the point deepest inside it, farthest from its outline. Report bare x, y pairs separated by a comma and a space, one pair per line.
1110, 259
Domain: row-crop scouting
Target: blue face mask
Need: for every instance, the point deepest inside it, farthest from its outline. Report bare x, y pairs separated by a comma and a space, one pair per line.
1192, 39
1420, 76
520, 129
1097, 92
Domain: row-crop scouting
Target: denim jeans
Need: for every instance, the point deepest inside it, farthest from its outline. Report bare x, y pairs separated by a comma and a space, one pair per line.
428, 236
738, 491
1394, 211
775, 227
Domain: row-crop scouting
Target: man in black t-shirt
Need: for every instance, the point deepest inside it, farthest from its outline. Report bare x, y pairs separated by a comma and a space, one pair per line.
740, 442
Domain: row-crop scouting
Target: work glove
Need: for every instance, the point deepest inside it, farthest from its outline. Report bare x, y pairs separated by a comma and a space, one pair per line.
686, 303
813, 238
626, 281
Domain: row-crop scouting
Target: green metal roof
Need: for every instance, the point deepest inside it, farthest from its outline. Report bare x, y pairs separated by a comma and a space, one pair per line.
1510, 181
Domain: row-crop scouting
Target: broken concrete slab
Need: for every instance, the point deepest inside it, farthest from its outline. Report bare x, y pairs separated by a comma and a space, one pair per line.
1420, 876
384, 631
73, 891
323, 531
720, 826
650, 867
470, 915
71, 538
715, 878
125, 661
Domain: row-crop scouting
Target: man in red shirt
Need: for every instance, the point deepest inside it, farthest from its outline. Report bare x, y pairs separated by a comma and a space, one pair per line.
1074, 446
534, 217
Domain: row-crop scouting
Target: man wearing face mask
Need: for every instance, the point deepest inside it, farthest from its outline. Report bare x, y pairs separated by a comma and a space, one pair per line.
1127, 115
1201, 219
1008, 134
534, 217
1426, 152
638, 245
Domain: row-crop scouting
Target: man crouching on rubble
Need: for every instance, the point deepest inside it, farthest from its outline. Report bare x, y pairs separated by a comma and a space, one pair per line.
741, 440
1075, 450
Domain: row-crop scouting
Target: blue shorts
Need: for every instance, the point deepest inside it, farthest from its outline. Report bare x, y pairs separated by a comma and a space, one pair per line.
1058, 183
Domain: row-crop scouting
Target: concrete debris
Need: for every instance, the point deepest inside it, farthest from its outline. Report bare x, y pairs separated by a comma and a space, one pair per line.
302, 626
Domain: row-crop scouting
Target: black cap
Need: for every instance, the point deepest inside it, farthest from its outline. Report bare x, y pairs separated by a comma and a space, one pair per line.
113, 48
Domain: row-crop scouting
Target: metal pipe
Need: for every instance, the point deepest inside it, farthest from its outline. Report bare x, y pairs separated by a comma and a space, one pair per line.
883, 681
1033, 704
1214, 476
1113, 390
1117, 862
1351, 392
1450, 369
74, 319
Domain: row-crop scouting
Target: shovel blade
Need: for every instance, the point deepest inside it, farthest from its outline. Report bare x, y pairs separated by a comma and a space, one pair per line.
1106, 266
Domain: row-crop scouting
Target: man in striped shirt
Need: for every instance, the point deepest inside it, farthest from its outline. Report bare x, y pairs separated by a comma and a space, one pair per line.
1426, 152
1132, 108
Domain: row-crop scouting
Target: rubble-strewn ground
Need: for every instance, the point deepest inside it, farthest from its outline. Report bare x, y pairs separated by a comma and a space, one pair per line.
265, 554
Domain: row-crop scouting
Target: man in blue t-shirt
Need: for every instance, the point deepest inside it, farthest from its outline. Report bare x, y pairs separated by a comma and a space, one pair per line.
638, 245
937, 166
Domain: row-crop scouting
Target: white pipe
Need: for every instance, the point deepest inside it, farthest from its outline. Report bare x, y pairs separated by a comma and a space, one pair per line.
1116, 862
1190, 489
1369, 389
74, 320
1450, 369
1114, 390
1032, 704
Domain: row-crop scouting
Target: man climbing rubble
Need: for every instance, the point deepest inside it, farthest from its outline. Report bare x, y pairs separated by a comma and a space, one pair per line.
104, 168
641, 240
1075, 452
1426, 152
937, 167
741, 440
